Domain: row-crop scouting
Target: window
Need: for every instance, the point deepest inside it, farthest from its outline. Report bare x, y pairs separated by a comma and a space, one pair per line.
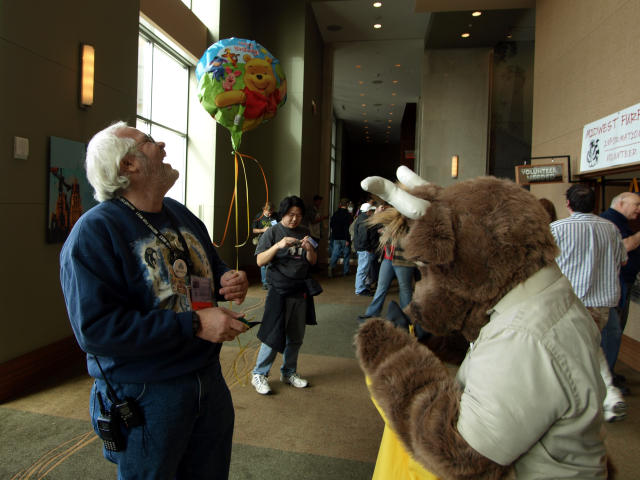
163, 93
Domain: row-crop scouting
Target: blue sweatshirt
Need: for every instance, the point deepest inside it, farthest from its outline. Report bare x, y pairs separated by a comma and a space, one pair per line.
117, 286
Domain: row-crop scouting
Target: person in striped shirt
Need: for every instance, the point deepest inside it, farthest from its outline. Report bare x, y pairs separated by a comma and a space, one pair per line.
591, 254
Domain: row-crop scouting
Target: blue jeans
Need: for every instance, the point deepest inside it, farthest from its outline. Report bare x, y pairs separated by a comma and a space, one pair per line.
364, 260
340, 249
263, 274
612, 332
295, 324
387, 273
187, 432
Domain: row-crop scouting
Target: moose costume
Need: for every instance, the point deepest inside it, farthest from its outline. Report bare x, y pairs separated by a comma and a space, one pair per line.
527, 400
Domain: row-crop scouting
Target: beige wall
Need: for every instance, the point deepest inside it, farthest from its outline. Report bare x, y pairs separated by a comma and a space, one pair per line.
586, 67
454, 113
39, 87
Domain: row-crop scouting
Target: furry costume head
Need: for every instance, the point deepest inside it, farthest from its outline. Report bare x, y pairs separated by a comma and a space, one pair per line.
473, 242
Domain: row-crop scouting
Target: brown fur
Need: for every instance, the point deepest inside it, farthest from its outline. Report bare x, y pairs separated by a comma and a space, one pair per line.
477, 241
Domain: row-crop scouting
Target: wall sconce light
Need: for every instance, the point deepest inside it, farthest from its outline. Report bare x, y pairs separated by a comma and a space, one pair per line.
87, 60
454, 166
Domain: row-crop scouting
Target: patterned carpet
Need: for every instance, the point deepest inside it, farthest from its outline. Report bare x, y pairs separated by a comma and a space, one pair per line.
329, 431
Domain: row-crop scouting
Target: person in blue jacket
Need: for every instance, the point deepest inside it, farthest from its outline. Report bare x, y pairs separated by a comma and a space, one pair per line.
141, 280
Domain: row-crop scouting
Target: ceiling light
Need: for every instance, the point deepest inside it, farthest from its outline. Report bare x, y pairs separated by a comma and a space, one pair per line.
360, 82
362, 94
393, 94
377, 25
393, 104
377, 4
390, 113
364, 114
509, 35
395, 81
465, 35
366, 121
397, 65
476, 14
358, 66
364, 104
390, 120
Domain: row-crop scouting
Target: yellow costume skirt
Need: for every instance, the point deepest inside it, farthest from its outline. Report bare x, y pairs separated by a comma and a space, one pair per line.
393, 462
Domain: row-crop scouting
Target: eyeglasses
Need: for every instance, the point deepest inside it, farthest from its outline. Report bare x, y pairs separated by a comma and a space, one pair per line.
147, 139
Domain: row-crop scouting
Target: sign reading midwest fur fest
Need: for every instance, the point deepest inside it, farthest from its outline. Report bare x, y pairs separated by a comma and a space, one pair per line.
612, 141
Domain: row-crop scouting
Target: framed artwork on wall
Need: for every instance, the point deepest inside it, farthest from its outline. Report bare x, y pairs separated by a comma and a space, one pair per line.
70, 194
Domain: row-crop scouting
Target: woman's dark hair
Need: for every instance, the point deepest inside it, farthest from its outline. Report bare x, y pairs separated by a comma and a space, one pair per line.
581, 198
288, 202
551, 210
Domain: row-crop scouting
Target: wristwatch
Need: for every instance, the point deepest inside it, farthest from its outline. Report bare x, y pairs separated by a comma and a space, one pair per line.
195, 322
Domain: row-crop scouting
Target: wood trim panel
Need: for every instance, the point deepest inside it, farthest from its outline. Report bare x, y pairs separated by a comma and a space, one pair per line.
31, 369
630, 352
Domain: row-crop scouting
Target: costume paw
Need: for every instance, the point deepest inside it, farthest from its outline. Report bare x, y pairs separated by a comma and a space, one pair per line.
376, 340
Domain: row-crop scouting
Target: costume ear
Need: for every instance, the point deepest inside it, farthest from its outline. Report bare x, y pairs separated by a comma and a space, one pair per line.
431, 238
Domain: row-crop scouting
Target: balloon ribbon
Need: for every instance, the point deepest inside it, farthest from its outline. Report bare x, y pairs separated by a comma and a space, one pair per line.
239, 159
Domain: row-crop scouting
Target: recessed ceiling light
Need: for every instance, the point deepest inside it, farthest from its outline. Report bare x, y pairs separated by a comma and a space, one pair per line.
393, 94
476, 13
395, 81
377, 26
390, 120
509, 35
377, 4
362, 94
390, 113
364, 104
465, 35
393, 104
397, 65
364, 114
360, 82
358, 66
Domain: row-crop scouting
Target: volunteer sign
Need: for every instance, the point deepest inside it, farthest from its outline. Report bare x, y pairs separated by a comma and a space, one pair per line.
543, 173
612, 141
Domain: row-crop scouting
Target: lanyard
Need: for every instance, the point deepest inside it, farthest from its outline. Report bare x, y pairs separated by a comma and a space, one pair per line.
175, 253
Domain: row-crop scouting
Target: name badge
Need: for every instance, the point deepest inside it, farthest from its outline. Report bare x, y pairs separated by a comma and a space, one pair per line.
201, 296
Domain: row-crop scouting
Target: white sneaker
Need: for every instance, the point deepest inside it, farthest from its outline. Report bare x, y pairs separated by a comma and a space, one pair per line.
294, 380
615, 408
261, 384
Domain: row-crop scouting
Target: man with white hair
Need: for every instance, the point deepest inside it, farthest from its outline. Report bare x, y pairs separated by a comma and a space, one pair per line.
624, 207
140, 279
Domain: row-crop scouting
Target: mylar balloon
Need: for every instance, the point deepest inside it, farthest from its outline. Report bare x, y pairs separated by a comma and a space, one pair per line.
240, 84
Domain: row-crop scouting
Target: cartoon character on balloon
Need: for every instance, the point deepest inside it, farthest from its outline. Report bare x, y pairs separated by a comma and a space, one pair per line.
240, 84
